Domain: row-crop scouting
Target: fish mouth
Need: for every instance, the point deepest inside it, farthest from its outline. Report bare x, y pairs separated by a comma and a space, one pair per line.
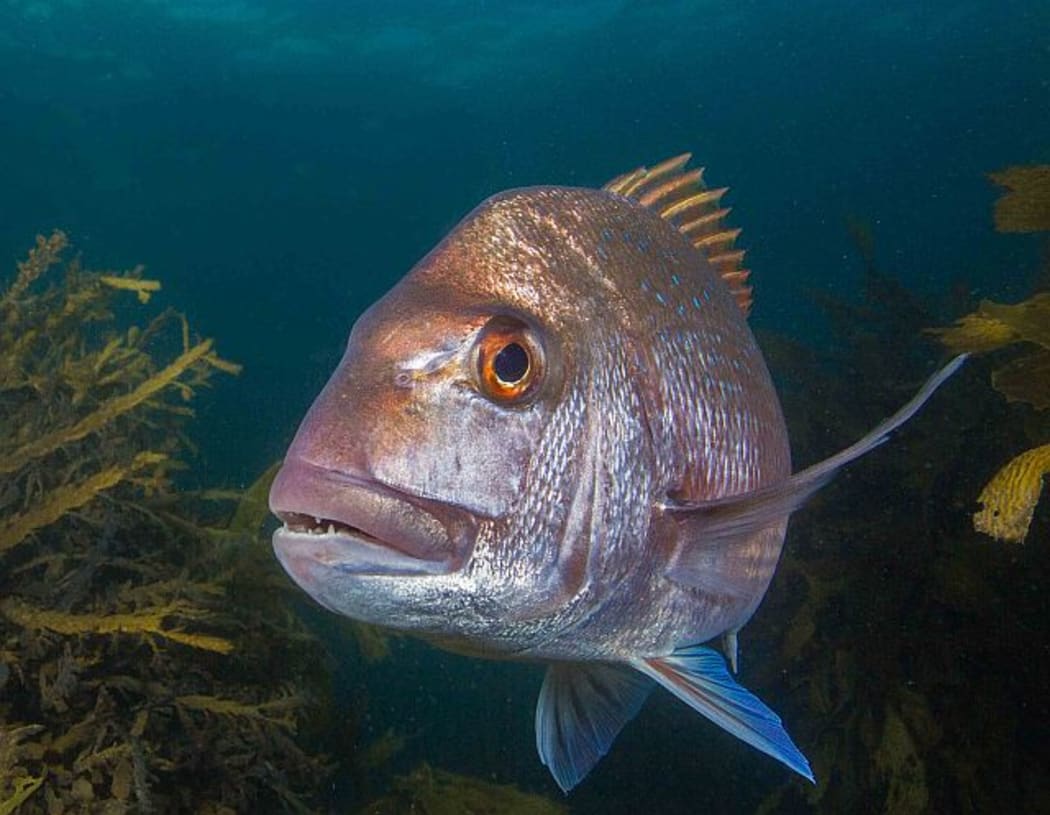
355, 525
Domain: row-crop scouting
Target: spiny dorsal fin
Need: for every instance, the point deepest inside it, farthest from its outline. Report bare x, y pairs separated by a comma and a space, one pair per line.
680, 197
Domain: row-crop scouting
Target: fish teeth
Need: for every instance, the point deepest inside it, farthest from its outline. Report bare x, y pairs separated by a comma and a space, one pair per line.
331, 529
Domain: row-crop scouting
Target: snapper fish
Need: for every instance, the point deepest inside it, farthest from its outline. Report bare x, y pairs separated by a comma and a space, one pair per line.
556, 439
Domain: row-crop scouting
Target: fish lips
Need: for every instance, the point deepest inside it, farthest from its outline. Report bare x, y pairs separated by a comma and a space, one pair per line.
355, 525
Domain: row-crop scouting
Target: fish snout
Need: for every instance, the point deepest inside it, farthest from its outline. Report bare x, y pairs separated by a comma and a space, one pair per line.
335, 520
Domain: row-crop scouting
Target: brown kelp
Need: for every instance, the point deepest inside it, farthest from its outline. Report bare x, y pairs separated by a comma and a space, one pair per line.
1026, 205
903, 643
139, 670
1024, 378
1009, 499
437, 792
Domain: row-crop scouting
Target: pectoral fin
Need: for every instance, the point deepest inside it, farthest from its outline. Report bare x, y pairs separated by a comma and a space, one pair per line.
698, 676
709, 529
580, 711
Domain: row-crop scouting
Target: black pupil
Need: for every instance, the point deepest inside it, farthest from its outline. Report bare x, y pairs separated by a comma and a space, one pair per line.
511, 363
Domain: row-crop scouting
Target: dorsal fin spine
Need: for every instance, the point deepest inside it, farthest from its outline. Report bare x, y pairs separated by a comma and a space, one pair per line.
665, 192
705, 223
635, 183
680, 197
727, 257
625, 182
712, 239
692, 201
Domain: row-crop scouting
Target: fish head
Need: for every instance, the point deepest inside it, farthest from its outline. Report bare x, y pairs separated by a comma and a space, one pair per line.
425, 487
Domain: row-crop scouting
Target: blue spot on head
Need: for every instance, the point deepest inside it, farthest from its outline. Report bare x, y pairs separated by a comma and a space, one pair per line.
645, 285
661, 299
607, 234
707, 296
681, 310
696, 302
675, 279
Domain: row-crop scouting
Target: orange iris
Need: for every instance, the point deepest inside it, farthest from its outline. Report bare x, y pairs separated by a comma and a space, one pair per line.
509, 361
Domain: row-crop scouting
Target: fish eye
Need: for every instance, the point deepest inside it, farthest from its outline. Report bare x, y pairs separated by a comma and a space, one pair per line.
510, 361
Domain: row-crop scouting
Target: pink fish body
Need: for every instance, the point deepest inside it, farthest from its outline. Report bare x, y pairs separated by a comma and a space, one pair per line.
556, 439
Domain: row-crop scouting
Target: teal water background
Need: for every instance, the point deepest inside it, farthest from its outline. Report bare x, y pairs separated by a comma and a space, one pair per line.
279, 164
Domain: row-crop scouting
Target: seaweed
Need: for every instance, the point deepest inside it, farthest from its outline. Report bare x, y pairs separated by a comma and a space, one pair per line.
1026, 205
147, 662
437, 792
993, 326
1009, 499
902, 643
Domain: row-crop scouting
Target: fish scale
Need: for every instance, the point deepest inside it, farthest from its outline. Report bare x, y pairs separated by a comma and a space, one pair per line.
556, 439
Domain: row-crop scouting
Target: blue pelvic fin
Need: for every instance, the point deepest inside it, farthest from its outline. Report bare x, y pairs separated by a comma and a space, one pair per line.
581, 710
698, 676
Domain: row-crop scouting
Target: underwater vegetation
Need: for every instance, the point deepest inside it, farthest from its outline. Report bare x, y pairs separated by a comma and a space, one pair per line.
1026, 205
903, 643
430, 791
150, 660
145, 664
1009, 499
150, 657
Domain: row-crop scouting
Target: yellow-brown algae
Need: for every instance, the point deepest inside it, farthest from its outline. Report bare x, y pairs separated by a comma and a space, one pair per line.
1009, 499
56, 503
143, 288
145, 621
1026, 205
